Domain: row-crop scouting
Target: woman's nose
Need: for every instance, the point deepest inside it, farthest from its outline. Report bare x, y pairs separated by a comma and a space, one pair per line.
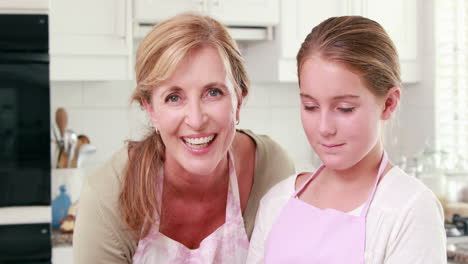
327, 125
195, 115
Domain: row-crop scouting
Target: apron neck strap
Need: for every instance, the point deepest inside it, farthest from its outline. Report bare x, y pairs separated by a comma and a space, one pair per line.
308, 180
383, 165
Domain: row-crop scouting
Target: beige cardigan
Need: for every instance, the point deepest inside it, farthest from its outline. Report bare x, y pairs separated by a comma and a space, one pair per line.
100, 234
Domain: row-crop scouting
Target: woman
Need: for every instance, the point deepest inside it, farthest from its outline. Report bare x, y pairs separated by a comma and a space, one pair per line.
357, 207
189, 191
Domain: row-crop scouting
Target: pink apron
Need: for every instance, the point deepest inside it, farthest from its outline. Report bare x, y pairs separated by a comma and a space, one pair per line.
227, 244
307, 234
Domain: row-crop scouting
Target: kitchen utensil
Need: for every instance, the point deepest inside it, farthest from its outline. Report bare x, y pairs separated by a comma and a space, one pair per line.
73, 141
86, 150
82, 140
61, 119
67, 153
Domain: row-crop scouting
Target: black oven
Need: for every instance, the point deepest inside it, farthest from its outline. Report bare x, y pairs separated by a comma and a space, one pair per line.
24, 110
25, 147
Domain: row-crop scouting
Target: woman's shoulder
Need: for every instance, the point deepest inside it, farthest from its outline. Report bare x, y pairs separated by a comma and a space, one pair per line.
106, 180
270, 155
262, 141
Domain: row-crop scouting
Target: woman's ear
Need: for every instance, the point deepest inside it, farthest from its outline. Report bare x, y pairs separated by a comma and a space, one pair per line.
392, 99
150, 112
238, 108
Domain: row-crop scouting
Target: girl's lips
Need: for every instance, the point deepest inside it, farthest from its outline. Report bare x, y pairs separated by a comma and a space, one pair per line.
332, 145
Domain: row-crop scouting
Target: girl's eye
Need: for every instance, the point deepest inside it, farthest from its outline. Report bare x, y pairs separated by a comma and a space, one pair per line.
215, 92
346, 110
172, 98
310, 107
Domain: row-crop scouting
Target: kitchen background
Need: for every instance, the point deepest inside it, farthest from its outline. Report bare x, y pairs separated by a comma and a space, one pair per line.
92, 46
101, 110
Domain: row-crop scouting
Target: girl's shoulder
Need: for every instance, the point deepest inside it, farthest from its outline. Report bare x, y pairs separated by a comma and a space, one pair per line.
281, 191
398, 191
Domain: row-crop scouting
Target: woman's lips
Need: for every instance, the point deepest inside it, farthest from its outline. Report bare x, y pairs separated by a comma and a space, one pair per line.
198, 144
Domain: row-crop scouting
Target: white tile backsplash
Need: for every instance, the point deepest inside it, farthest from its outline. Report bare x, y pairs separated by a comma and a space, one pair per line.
102, 111
108, 94
66, 94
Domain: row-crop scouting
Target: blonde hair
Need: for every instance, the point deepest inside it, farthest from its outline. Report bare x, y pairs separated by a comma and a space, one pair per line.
158, 55
361, 45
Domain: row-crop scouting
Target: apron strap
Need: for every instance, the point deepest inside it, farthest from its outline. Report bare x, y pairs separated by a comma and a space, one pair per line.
296, 193
233, 176
383, 165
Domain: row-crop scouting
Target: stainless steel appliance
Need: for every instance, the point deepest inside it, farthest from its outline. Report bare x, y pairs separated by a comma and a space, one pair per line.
24, 138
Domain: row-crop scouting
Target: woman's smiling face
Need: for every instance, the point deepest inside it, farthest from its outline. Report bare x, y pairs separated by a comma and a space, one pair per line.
340, 115
195, 112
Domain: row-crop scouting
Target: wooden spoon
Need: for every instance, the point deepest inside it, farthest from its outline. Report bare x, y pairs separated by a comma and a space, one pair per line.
61, 118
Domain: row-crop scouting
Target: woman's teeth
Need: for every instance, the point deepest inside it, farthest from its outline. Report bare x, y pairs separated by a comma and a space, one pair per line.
201, 142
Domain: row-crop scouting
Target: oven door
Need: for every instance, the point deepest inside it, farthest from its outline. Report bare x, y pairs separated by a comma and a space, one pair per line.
24, 129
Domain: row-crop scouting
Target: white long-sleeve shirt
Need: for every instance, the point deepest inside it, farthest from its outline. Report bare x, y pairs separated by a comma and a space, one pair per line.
405, 222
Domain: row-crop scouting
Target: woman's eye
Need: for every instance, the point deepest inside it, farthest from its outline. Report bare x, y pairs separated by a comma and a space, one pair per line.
346, 109
172, 98
215, 92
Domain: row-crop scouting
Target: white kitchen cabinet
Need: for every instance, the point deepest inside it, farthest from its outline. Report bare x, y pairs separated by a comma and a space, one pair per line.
229, 12
90, 40
62, 255
276, 60
399, 18
245, 12
24, 7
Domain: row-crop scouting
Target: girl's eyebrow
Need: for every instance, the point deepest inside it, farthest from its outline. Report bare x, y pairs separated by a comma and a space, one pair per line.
339, 97
306, 96
346, 96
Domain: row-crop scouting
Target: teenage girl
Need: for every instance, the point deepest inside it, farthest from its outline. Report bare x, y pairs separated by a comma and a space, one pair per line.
357, 207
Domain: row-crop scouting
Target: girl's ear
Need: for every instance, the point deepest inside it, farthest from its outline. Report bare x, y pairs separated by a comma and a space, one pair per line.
392, 99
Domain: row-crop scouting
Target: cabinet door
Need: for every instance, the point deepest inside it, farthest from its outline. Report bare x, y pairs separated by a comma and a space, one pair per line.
90, 40
298, 17
399, 18
245, 12
153, 11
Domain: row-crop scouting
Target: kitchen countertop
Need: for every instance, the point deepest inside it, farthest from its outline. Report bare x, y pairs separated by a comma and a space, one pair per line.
457, 249
60, 239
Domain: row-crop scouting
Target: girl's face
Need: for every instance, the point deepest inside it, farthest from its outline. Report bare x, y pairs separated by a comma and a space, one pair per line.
340, 115
195, 113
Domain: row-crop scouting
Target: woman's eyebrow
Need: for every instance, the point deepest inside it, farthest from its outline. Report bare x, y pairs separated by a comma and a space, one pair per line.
215, 84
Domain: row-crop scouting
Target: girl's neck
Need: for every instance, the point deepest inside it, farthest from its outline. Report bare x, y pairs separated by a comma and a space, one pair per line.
364, 170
